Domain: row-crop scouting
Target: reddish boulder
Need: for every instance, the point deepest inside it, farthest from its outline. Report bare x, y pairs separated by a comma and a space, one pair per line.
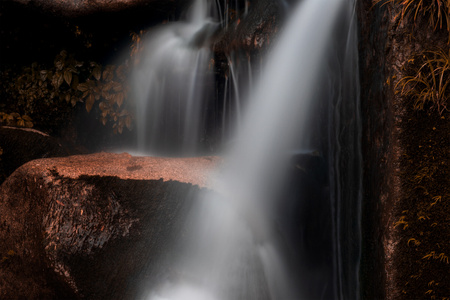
95, 226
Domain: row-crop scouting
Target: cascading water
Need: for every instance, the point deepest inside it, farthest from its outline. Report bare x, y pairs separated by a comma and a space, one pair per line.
237, 247
171, 81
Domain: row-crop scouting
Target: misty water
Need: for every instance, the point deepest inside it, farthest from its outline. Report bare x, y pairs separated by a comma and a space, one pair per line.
283, 219
170, 83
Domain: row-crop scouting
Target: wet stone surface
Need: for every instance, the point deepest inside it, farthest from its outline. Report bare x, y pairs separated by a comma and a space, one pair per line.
87, 236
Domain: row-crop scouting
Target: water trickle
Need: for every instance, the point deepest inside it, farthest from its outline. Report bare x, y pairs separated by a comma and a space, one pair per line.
224, 109
250, 73
235, 249
237, 84
235, 81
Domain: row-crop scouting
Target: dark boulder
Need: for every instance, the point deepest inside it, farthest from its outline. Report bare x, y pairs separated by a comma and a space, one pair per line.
20, 145
94, 226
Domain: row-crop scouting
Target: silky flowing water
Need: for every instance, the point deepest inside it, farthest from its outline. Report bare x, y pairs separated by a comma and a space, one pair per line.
240, 242
170, 83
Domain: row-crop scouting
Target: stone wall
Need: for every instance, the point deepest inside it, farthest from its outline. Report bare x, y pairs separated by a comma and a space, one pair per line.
405, 154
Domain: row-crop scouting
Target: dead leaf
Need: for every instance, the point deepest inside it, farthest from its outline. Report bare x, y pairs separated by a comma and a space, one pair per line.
117, 87
128, 122
118, 98
83, 87
102, 106
97, 72
43, 75
59, 64
68, 76
90, 102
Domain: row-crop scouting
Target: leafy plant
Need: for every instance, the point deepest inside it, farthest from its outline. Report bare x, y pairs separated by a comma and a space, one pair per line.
107, 87
429, 80
16, 120
45, 92
436, 12
46, 84
42, 92
402, 221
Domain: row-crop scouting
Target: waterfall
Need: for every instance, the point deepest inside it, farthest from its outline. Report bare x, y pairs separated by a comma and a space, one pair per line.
171, 83
237, 247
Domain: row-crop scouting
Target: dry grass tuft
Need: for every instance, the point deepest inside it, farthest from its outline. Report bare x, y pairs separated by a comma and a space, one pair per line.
436, 12
429, 82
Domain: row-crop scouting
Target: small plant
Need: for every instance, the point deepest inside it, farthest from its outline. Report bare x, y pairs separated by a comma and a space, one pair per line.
436, 200
48, 93
429, 80
402, 221
433, 255
426, 172
413, 241
16, 120
106, 85
436, 12
422, 217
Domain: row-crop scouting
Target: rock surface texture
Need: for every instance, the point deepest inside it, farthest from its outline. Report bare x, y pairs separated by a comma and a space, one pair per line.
377, 150
252, 32
95, 226
406, 152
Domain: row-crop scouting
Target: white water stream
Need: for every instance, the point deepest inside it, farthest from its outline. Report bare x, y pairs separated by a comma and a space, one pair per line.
234, 250
170, 82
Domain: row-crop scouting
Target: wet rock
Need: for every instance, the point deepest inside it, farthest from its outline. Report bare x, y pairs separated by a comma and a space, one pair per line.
305, 222
252, 32
94, 226
247, 38
376, 146
401, 222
